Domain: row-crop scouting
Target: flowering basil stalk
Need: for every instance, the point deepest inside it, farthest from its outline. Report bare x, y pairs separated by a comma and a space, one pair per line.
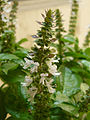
41, 75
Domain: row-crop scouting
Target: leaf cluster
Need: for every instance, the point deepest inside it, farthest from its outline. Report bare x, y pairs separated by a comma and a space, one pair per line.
13, 97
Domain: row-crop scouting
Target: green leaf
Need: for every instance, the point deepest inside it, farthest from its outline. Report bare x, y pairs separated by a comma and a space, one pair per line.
3, 112
1, 45
16, 102
62, 97
14, 76
59, 114
86, 64
71, 83
11, 118
9, 66
66, 104
54, 45
77, 55
68, 38
88, 116
24, 117
19, 115
22, 41
19, 61
57, 82
21, 52
6, 56
87, 51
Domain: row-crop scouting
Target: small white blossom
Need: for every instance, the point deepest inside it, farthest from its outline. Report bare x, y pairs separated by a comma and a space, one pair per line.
4, 18
57, 74
53, 69
33, 88
32, 91
71, 58
49, 63
28, 64
43, 75
58, 58
10, 3
73, 13
42, 80
84, 87
50, 89
36, 63
35, 67
56, 61
7, 8
23, 84
28, 80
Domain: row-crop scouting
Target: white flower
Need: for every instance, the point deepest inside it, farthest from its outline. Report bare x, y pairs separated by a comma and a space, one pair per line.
50, 89
14, 22
28, 63
50, 81
58, 58
49, 63
28, 80
56, 61
43, 75
73, 13
84, 87
57, 74
71, 58
36, 63
42, 80
24, 84
7, 8
33, 88
32, 91
9, 3
4, 18
35, 67
53, 69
